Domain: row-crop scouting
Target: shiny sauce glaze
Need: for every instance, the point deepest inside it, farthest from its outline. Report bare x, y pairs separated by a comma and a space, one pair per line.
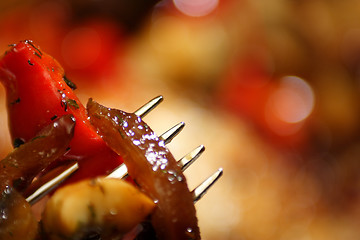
151, 165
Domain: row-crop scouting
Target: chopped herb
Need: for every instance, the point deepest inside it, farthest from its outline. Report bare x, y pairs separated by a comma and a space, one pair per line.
30, 63
92, 211
73, 103
12, 45
36, 49
121, 133
37, 137
18, 142
38, 55
16, 101
53, 117
69, 83
121, 119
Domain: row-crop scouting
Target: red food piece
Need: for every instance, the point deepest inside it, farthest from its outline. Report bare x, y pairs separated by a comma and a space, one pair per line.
152, 167
37, 92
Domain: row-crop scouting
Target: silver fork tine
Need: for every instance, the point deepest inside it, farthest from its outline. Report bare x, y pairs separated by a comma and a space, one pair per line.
51, 184
121, 171
146, 108
169, 135
200, 190
191, 157
184, 163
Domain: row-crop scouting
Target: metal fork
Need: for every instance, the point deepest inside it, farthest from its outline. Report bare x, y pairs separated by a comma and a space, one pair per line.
55, 178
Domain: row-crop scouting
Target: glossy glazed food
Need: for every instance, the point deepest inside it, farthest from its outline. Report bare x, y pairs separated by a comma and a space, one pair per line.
37, 90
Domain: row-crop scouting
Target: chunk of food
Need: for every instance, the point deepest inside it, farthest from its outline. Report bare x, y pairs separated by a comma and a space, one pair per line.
16, 218
103, 206
152, 167
17, 171
20, 167
37, 92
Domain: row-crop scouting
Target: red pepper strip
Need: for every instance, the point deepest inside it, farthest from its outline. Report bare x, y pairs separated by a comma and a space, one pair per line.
153, 167
37, 92
20, 167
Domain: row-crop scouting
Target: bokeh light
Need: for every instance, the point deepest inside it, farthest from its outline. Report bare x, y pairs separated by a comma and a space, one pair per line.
291, 103
196, 8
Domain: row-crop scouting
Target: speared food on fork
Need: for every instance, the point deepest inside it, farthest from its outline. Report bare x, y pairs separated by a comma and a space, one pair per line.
105, 146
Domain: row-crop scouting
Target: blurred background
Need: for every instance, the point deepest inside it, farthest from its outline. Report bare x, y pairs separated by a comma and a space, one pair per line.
271, 88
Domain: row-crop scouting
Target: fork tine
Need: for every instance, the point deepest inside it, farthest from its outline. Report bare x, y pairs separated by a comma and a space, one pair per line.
200, 190
52, 183
170, 134
184, 163
191, 157
120, 172
146, 108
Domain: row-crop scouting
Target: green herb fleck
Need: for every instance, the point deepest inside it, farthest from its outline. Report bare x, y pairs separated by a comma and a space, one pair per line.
69, 83
92, 211
38, 137
38, 52
38, 55
72, 103
121, 133
53, 117
30, 63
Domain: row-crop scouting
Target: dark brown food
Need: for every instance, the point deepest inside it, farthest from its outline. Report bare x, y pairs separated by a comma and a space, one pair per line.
152, 167
18, 170
20, 167
16, 218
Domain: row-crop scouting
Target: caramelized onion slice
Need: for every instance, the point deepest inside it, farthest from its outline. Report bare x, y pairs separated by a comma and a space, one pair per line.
17, 171
20, 167
152, 167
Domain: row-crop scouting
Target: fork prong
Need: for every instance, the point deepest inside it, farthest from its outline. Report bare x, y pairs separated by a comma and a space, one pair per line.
200, 190
121, 171
146, 108
191, 157
170, 134
54, 180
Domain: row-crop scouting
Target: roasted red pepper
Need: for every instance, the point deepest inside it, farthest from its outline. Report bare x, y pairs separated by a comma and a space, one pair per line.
37, 93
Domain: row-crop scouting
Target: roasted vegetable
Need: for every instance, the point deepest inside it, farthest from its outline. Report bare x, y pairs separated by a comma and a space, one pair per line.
17, 171
152, 167
37, 92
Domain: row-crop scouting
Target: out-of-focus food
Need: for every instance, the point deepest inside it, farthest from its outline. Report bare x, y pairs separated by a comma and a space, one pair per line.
102, 207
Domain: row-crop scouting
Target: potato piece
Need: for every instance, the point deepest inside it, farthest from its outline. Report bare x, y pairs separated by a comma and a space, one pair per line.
101, 206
